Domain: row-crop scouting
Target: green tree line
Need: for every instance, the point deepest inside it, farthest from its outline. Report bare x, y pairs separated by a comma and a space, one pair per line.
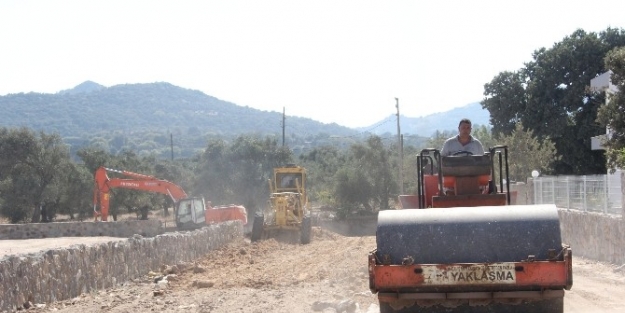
550, 96
39, 180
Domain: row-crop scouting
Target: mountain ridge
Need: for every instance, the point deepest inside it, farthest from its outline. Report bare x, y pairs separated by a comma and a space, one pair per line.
145, 116
429, 124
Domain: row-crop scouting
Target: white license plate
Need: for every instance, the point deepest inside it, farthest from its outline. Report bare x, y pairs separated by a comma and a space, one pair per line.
469, 274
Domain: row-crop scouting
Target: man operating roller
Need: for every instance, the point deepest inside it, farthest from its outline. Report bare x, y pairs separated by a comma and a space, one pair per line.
463, 143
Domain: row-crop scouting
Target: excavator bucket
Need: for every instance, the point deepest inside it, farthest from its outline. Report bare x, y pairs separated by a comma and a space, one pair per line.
460, 248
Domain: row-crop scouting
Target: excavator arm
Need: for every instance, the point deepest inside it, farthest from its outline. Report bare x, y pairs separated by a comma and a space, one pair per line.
190, 213
135, 181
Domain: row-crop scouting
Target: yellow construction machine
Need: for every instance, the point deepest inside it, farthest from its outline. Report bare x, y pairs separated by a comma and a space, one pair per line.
288, 206
459, 246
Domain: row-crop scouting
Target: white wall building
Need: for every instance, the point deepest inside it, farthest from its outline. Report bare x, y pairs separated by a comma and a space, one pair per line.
604, 83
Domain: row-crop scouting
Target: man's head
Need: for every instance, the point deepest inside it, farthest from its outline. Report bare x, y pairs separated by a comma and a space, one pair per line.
464, 127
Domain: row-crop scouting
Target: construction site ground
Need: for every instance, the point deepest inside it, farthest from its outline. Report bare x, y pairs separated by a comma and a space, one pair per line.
281, 275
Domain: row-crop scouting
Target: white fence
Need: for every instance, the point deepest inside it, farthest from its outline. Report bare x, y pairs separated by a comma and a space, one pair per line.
591, 193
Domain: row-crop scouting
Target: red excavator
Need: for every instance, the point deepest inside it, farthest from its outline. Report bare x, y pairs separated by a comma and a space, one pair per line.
190, 212
459, 246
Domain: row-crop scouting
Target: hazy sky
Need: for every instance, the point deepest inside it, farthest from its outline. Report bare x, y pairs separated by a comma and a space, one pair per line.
332, 61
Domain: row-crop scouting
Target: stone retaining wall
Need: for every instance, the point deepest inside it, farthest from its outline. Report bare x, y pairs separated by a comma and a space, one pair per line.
66, 273
146, 228
593, 235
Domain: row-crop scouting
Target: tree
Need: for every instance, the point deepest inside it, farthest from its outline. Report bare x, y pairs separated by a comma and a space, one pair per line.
506, 100
238, 172
484, 135
32, 164
550, 96
612, 115
527, 153
352, 190
15, 145
438, 139
411, 154
322, 163
16, 197
93, 158
367, 178
76, 196
255, 159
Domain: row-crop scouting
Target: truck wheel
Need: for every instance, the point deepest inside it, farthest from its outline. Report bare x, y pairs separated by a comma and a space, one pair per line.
306, 231
257, 227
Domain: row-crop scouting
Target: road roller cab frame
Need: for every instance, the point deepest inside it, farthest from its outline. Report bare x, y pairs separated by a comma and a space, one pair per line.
459, 246
288, 206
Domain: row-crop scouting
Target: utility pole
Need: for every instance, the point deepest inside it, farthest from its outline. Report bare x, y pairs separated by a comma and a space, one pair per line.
171, 142
400, 149
283, 124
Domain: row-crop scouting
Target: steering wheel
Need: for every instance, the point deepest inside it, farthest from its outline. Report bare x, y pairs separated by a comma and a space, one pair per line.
462, 153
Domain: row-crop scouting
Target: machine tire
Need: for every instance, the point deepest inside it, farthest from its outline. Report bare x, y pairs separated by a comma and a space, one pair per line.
306, 231
544, 306
257, 227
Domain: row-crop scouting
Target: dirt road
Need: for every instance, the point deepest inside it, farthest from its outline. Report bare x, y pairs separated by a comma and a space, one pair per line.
328, 275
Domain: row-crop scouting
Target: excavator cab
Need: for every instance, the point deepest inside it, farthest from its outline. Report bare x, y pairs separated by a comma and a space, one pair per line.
190, 213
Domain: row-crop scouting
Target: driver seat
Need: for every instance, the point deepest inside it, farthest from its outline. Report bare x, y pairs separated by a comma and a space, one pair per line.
466, 175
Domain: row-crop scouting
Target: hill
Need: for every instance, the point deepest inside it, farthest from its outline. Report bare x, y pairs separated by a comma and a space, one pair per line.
142, 117
90, 108
146, 117
427, 125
